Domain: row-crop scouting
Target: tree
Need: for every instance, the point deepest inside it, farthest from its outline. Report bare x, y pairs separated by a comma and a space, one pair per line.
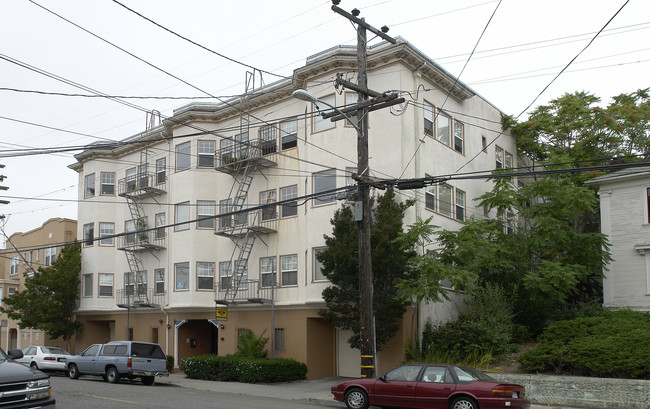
50, 297
389, 265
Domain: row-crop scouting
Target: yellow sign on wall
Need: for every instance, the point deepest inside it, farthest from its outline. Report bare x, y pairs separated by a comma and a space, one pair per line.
222, 313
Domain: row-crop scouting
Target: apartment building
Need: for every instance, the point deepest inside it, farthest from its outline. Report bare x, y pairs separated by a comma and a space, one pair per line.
24, 254
200, 227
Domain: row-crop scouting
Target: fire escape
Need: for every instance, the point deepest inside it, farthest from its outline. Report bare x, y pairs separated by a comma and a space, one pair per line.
243, 157
140, 182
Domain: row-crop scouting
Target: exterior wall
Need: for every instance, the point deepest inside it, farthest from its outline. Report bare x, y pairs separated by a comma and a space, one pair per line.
51, 235
624, 219
398, 148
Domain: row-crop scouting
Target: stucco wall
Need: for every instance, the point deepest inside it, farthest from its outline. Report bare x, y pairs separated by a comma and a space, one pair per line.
583, 392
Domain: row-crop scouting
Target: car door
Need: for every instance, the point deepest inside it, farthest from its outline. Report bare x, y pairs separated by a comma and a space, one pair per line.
87, 361
397, 387
434, 388
29, 355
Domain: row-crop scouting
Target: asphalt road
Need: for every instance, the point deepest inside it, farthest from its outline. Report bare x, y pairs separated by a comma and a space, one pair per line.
93, 392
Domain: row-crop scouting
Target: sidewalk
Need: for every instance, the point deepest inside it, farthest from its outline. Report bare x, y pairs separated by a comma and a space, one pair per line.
317, 390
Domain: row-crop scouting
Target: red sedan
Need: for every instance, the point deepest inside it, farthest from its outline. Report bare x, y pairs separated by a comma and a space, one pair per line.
431, 386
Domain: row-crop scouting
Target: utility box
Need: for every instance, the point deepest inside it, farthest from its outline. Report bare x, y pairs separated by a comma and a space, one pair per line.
358, 211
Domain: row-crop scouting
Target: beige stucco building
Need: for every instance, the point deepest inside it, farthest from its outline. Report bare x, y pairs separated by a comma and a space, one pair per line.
175, 258
36, 248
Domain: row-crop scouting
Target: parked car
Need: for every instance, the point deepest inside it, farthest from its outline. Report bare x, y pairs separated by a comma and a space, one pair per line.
23, 387
45, 358
431, 386
117, 359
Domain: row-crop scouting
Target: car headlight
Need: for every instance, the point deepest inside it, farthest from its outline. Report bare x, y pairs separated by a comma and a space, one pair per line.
39, 383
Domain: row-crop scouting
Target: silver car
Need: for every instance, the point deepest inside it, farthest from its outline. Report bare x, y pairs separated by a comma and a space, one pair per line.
45, 358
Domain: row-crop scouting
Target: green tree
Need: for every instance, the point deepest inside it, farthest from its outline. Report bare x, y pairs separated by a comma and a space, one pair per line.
389, 266
50, 297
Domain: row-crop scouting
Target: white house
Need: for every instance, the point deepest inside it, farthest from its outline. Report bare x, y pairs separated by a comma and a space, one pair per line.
625, 219
165, 188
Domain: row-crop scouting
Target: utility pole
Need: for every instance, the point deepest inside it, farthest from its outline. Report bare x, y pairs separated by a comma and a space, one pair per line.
2, 179
362, 206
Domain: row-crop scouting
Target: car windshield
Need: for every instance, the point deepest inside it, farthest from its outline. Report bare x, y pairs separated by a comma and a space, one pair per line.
54, 350
466, 374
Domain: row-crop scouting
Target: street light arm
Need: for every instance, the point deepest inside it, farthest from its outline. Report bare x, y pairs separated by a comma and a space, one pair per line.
304, 95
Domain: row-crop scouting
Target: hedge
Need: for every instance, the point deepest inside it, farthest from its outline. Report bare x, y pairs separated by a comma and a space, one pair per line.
238, 369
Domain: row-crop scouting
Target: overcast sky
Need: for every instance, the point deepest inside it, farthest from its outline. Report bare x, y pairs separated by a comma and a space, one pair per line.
524, 46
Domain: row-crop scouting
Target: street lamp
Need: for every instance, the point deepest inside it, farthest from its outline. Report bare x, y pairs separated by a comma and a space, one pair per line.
304, 95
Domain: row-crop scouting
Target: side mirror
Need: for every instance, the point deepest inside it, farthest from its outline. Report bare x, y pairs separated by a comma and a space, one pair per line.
382, 378
15, 353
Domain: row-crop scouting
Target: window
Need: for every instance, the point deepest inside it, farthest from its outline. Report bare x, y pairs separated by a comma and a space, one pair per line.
443, 128
129, 226
87, 286
289, 134
183, 155
648, 202
226, 152
459, 136
318, 266
131, 179
351, 98
205, 276
129, 284
225, 275
105, 285
206, 154
279, 339
324, 181
205, 214
160, 225
460, 205
89, 234
508, 160
289, 269
267, 199
498, 157
154, 335
445, 200
13, 269
484, 144
428, 119
289, 208
182, 276
106, 232
143, 175
267, 271
161, 168
182, 211
225, 208
430, 197
319, 123
268, 139
141, 282
90, 186
107, 180
241, 146
159, 277
50, 256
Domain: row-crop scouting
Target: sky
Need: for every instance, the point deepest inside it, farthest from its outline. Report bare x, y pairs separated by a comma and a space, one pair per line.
46, 45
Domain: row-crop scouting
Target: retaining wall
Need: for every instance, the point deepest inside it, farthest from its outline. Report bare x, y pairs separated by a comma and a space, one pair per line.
583, 392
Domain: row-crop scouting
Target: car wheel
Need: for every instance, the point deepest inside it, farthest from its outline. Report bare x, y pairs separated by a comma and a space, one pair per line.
33, 365
464, 403
148, 380
73, 372
356, 398
112, 375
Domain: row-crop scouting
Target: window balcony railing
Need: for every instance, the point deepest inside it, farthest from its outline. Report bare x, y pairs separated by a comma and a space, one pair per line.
261, 221
142, 240
234, 157
142, 298
248, 291
141, 185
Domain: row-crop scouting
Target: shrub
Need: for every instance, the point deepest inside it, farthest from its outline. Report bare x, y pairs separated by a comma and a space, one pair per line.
170, 362
612, 344
240, 369
251, 346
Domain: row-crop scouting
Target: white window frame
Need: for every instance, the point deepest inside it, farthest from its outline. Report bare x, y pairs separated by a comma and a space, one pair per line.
161, 231
225, 275
289, 209
89, 234
183, 156
268, 272
182, 285
182, 216
323, 181
318, 275
204, 274
104, 280
446, 200
107, 179
289, 134
131, 179
49, 256
460, 210
15, 262
430, 198
458, 134
444, 138
429, 120
106, 234
269, 139
89, 186
205, 209
159, 279
225, 208
498, 157
206, 151
87, 285
270, 210
289, 269
320, 124
161, 170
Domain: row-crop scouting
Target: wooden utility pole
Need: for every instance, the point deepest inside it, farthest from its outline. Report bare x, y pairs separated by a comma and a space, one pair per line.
362, 206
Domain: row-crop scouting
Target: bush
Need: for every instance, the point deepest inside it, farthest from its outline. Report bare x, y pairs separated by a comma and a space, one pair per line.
612, 344
251, 346
240, 369
482, 332
170, 362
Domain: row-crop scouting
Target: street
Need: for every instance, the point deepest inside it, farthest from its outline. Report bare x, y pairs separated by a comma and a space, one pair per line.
93, 392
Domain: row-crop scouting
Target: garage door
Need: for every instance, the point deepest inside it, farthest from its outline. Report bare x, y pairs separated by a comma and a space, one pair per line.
348, 359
